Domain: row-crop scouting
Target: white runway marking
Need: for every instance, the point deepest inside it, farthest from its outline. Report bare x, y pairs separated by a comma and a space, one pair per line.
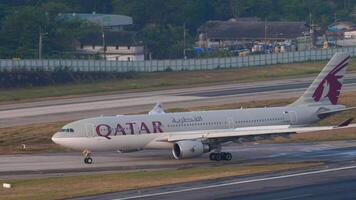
296, 197
240, 182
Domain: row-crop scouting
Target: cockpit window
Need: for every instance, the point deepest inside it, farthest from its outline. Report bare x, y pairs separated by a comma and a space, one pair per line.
66, 130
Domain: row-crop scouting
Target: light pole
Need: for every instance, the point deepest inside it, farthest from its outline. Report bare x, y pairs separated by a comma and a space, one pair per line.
184, 38
103, 40
40, 44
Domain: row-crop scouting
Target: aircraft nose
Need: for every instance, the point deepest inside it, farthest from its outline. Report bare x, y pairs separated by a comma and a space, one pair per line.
55, 137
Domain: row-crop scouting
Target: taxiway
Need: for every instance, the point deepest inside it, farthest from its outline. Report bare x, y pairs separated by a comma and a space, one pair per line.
84, 107
60, 164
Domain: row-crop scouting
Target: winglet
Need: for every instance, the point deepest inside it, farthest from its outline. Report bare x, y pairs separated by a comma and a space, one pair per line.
345, 123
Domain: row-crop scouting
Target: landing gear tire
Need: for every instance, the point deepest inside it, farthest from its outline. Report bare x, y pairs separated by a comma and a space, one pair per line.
228, 156
88, 160
220, 156
212, 156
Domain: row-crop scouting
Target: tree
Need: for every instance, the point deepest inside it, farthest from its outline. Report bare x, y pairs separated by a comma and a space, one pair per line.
164, 41
21, 30
158, 23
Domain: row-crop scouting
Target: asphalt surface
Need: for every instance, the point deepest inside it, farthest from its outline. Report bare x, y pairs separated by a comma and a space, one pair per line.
330, 183
335, 180
60, 164
83, 107
290, 86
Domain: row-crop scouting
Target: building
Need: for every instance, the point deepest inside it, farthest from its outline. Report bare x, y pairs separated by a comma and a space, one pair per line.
342, 26
113, 42
119, 46
341, 33
109, 22
337, 30
247, 32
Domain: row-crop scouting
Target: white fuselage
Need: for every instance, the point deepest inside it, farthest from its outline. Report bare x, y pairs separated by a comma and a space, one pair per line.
136, 132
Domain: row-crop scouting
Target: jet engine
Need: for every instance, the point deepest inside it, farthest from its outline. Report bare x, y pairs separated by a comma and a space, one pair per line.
189, 149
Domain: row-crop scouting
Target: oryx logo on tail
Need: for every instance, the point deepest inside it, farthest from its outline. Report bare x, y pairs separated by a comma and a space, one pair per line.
330, 86
326, 88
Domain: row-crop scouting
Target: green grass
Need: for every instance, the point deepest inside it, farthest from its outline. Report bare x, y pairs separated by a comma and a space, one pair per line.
36, 137
74, 186
165, 80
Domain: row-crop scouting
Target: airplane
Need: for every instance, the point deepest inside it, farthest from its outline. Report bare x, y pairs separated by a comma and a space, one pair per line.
191, 134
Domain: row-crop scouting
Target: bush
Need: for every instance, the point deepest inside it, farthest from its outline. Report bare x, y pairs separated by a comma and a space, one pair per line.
27, 78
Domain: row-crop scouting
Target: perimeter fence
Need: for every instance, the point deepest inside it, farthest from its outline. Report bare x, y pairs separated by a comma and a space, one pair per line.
173, 65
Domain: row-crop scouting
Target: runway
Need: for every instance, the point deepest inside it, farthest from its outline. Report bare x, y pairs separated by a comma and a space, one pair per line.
83, 107
332, 183
335, 180
60, 164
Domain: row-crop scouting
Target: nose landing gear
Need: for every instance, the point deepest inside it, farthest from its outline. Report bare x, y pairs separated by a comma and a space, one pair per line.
220, 156
87, 157
88, 160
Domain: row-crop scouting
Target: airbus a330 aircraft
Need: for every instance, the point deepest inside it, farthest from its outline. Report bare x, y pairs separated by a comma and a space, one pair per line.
191, 134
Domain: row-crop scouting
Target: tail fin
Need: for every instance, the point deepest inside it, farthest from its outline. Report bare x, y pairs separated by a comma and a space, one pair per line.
326, 88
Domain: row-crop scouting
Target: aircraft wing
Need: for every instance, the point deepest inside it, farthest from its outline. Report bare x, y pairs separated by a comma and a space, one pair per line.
249, 134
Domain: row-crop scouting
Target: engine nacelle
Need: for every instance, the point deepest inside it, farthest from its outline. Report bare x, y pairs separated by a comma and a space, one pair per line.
189, 149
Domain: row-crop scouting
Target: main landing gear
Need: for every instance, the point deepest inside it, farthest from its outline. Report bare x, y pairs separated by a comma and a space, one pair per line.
87, 157
220, 156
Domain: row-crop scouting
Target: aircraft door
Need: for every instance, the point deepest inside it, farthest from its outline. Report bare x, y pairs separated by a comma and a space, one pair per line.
286, 117
137, 128
89, 130
293, 117
230, 123
290, 117
134, 127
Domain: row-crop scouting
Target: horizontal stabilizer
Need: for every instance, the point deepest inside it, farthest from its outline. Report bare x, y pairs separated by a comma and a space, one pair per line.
328, 113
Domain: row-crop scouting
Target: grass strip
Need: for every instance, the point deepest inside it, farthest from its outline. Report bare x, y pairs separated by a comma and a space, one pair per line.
83, 185
165, 80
